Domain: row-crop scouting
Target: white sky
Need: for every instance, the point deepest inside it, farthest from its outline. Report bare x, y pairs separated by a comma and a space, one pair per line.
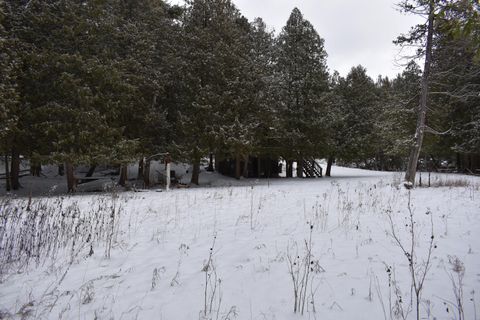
355, 32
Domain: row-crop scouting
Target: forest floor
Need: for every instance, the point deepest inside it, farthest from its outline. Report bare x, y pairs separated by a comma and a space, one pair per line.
235, 249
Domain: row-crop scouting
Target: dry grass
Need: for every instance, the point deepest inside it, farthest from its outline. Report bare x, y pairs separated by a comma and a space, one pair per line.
34, 231
444, 182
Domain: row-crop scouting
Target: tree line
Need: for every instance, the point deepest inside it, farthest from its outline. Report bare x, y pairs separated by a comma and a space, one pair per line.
115, 81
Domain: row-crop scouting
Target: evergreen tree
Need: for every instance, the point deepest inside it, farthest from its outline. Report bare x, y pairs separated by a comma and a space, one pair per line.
212, 100
420, 34
262, 89
356, 111
456, 78
146, 57
397, 118
301, 67
447, 41
248, 121
69, 85
8, 97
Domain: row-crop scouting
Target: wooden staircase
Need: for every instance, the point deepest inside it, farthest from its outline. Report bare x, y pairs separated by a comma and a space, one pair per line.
311, 169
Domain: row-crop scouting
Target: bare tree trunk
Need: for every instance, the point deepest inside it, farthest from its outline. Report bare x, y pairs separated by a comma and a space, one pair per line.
196, 171
90, 171
71, 183
299, 168
35, 169
245, 167
15, 170
329, 166
210, 163
268, 168
141, 169
7, 174
459, 162
238, 169
289, 168
259, 167
216, 163
32, 168
146, 174
123, 175
422, 110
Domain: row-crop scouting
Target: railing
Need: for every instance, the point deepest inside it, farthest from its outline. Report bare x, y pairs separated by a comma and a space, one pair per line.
311, 169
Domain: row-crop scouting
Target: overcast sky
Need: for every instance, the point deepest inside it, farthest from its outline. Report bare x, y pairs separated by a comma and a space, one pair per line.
355, 32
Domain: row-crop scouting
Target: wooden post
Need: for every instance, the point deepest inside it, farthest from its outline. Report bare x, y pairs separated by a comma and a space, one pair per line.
167, 167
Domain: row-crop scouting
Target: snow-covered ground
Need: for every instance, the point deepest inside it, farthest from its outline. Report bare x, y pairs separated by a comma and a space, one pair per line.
228, 247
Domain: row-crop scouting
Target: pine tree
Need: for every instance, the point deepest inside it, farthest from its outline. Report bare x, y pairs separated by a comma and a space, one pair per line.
397, 118
212, 101
8, 98
70, 85
301, 67
146, 57
456, 79
423, 34
262, 88
447, 41
356, 113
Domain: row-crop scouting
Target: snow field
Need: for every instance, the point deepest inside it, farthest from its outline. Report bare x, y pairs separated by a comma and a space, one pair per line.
162, 242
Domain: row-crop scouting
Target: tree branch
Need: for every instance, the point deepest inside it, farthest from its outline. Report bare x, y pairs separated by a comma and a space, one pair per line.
438, 133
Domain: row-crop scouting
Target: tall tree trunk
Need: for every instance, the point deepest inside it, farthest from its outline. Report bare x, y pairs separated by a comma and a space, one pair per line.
329, 165
216, 163
7, 174
141, 169
15, 170
90, 171
289, 169
196, 171
459, 162
210, 163
422, 110
300, 168
71, 183
268, 168
123, 175
35, 169
259, 167
245, 167
238, 169
146, 174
